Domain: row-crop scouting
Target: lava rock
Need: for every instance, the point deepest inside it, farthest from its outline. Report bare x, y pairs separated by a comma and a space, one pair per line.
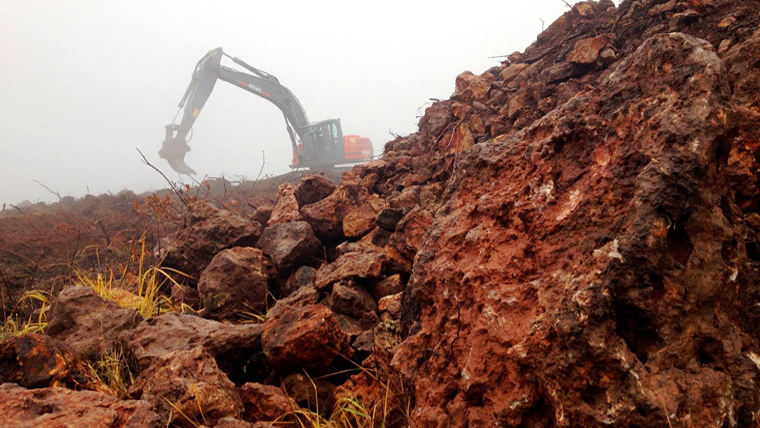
290, 245
303, 277
313, 188
60, 407
89, 323
306, 337
267, 403
206, 232
235, 282
352, 300
187, 388
286, 208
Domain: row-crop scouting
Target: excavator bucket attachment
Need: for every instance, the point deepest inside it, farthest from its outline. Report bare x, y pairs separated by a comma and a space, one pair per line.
173, 150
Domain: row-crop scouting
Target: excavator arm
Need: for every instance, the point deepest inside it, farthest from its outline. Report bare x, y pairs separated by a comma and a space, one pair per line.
207, 71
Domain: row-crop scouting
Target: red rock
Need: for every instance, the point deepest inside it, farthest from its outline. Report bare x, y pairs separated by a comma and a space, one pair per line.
87, 322
60, 407
587, 51
471, 87
360, 220
352, 300
290, 245
326, 216
589, 287
300, 298
286, 208
510, 73
393, 284
365, 265
266, 403
303, 277
206, 232
411, 231
234, 346
235, 282
187, 389
307, 337
37, 361
313, 188
391, 304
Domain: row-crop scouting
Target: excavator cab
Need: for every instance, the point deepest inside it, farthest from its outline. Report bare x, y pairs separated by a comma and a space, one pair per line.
322, 144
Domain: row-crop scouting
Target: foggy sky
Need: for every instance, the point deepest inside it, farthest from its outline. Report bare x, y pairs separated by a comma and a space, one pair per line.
83, 83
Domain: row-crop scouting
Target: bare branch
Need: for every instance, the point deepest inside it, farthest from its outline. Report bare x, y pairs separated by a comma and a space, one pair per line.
172, 184
58, 195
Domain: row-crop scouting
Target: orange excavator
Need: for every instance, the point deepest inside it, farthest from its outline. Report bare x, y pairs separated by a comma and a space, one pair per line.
317, 145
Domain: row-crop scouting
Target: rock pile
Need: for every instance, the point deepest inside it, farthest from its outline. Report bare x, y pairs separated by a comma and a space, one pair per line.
570, 240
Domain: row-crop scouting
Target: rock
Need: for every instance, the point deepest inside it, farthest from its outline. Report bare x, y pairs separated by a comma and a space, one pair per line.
266, 403
391, 304
326, 216
406, 200
262, 214
662, 8
471, 87
410, 232
313, 188
290, 245
61, 407
37, 361
365, 265
389, 218
393, 284
629, 249
187, 388
314, 394
587, 51
234, 346
87, 322
237, 423
303, 277
360, 220
286, 208
235, 282
306, 337
207, 231
352, 300
300, 298
510, 73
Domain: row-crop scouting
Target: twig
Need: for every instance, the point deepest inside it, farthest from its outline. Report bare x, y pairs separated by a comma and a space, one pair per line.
18, 209
103, 229
58, 195
567, 4
263, 162
173, 185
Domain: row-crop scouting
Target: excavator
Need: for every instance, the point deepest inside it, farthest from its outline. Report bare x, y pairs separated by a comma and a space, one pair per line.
317, 145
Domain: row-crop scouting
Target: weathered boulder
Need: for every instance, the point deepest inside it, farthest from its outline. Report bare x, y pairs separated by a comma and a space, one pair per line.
89, 323
303, 277
604, 239
351, 200
37, 361
187, 388
307, 337
472, 87
313, 188
290, 245
267, 403
206, 232
352, 300
235, 282
365, 265
61, 407
236, 347
410, 232
303, 296
586, 51
286, 208
389, 218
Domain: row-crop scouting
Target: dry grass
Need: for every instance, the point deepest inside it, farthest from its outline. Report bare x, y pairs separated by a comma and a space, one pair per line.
140, 290
112, 369
35, 324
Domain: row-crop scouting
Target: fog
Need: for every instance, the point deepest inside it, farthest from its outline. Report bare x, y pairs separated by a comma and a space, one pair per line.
85, 83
